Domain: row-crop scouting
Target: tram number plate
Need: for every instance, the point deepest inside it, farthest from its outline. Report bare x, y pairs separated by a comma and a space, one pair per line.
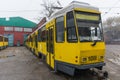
92, 58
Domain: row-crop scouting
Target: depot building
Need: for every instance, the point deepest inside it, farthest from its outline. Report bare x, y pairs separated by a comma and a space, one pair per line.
16, 29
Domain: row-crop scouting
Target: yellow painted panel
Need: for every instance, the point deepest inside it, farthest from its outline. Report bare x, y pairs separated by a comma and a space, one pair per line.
67, 52
48, 58
52, 61
1, 43
92, 54
30, 45
5, 43
73, 53
42, 47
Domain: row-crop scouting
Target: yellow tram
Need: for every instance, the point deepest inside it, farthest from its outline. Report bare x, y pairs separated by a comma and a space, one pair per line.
71, 40
3, 42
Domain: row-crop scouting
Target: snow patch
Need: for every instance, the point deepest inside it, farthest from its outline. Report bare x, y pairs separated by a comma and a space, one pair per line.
112, 72
40, 63
116, 61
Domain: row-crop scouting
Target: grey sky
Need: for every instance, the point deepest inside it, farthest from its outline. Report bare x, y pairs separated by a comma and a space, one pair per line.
29, 9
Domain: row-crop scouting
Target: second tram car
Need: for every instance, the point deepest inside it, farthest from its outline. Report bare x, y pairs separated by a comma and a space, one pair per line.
3, 42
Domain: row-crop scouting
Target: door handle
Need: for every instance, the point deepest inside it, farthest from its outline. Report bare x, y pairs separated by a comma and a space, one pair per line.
53, 57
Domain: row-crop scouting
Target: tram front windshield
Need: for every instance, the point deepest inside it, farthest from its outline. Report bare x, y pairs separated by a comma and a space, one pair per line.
89, 27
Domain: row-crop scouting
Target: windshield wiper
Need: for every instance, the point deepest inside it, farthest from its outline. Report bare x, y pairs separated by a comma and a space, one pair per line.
85, 40
94, 43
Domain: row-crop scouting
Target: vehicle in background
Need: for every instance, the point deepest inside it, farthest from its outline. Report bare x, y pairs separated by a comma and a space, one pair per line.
3, 42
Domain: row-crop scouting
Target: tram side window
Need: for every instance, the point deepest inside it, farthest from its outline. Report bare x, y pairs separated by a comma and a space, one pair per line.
71, 30
60, 29
30, 39
5, 39
43, 34
1, 38
27, 40
39, 35
36, 39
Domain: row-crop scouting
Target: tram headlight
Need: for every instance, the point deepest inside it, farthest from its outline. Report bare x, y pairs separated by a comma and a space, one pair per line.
84, 59
101, 57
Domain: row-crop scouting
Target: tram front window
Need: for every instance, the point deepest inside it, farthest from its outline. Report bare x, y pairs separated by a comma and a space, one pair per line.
89, 32
89, 27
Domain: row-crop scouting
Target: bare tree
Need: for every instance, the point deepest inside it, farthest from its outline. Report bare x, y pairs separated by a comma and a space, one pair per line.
112, 30
50, 7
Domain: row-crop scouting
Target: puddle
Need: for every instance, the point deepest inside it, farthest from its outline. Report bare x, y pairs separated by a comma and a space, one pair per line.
6, 56
40, 63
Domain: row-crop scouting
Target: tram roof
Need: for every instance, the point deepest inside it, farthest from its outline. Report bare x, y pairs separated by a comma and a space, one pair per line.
72, 6
3, 36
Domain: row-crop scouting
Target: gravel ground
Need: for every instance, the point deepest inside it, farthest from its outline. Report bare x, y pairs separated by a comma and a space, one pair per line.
18, 63
113, 61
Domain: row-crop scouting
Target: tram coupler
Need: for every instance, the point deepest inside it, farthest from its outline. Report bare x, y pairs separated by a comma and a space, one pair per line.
101, 74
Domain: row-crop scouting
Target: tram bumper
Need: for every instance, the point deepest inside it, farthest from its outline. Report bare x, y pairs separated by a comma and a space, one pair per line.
88, 66
70, 68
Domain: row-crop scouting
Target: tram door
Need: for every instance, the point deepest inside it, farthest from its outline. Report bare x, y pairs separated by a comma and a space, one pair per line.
50, 47
36, 44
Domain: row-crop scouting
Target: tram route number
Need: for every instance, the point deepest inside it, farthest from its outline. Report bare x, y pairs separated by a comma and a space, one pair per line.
92, 58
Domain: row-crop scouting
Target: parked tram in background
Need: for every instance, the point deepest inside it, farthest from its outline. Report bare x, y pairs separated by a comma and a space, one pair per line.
3, 42
71, 40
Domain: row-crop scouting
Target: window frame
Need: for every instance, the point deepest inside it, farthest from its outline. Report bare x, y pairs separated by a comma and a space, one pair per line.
67, 28
27, 29
18, 29
39, 36
6, 28
36, 40
63, 29
31, 39
43, 39
6, 39
1, 38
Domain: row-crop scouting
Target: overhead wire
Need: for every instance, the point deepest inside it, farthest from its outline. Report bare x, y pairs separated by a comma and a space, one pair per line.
20, 10
111, 8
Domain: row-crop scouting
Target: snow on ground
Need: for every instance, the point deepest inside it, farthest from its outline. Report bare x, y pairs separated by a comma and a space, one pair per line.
116, 61
113, 53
